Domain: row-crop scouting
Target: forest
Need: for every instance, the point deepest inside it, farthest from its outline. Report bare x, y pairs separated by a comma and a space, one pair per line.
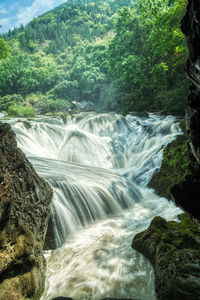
124, 56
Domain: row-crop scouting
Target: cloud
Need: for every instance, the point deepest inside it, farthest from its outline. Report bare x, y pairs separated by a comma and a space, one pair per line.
3, 11
22, 12
26, 14
6, 21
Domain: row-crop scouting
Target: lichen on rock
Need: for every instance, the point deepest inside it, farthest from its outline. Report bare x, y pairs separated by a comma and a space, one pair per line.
24, 214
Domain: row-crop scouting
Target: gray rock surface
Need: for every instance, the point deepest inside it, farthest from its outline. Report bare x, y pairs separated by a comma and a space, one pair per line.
24, 214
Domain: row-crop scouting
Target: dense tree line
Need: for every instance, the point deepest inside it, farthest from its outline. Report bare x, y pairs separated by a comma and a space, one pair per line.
147, 56
121, 55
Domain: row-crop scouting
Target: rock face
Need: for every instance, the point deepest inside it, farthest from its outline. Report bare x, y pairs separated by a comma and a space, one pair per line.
174, 167
24, 214
174, 251
186, 194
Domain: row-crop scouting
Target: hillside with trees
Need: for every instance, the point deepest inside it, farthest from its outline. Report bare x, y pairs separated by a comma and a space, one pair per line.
121, 55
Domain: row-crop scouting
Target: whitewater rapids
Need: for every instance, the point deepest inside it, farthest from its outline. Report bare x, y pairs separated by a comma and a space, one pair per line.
99, 166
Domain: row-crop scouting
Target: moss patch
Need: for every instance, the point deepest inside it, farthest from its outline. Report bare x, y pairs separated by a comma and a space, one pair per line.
174, 167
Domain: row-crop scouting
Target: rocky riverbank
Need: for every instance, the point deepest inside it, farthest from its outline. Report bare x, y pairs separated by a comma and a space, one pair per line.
24, 214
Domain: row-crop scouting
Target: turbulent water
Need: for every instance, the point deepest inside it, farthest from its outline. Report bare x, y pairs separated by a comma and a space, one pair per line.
99, 166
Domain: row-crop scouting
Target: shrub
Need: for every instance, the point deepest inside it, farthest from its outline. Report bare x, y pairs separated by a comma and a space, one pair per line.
58, 105
21, 111
9, 100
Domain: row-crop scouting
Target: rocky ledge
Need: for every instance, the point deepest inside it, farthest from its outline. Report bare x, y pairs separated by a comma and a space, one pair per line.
174, 251
24, 214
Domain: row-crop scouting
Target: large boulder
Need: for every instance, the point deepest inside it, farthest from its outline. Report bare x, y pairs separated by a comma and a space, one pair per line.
174, 251
24, 214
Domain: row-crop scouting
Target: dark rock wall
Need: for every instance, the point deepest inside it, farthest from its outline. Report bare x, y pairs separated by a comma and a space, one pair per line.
24, 214
187, 193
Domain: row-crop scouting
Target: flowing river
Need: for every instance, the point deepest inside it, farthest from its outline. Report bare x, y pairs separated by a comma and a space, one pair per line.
99, 166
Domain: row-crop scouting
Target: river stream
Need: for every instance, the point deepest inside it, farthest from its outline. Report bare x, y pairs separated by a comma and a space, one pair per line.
99, 166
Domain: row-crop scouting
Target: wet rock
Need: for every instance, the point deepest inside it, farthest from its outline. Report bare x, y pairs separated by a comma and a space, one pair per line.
117, 299
50, 241
174, 251
62, 298
66, 298
174, 167
186, 194
24, 214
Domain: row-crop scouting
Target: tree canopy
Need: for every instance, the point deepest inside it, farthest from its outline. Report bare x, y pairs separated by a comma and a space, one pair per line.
122, 55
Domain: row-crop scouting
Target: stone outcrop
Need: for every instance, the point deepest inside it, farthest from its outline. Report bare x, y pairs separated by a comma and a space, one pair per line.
24, 214
174, 167
174, 251
186, 194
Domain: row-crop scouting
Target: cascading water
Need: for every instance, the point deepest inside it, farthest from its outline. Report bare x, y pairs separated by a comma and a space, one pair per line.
99, 166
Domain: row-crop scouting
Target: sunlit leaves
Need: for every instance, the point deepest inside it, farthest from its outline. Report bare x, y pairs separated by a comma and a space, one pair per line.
4, 49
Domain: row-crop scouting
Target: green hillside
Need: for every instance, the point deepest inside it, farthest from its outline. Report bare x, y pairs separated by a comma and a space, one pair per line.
121, 55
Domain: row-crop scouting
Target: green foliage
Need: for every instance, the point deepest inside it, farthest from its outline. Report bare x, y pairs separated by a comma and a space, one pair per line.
4, 49
58, 105
21, 111
120, 54
24, 73
8, 100
65, 90
147, 56
44, 103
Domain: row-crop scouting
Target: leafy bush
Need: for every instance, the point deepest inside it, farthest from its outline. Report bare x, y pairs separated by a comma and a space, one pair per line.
65, 89
9, 100
53, 106
4, 49
21, 111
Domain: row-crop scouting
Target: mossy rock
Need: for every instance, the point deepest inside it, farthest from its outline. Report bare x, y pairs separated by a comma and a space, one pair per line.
174, 167
173, 249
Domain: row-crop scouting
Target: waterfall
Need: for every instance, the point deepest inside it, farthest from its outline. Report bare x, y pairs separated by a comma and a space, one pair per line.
99, 166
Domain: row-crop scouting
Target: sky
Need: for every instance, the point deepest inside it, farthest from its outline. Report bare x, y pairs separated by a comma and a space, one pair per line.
13, 13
